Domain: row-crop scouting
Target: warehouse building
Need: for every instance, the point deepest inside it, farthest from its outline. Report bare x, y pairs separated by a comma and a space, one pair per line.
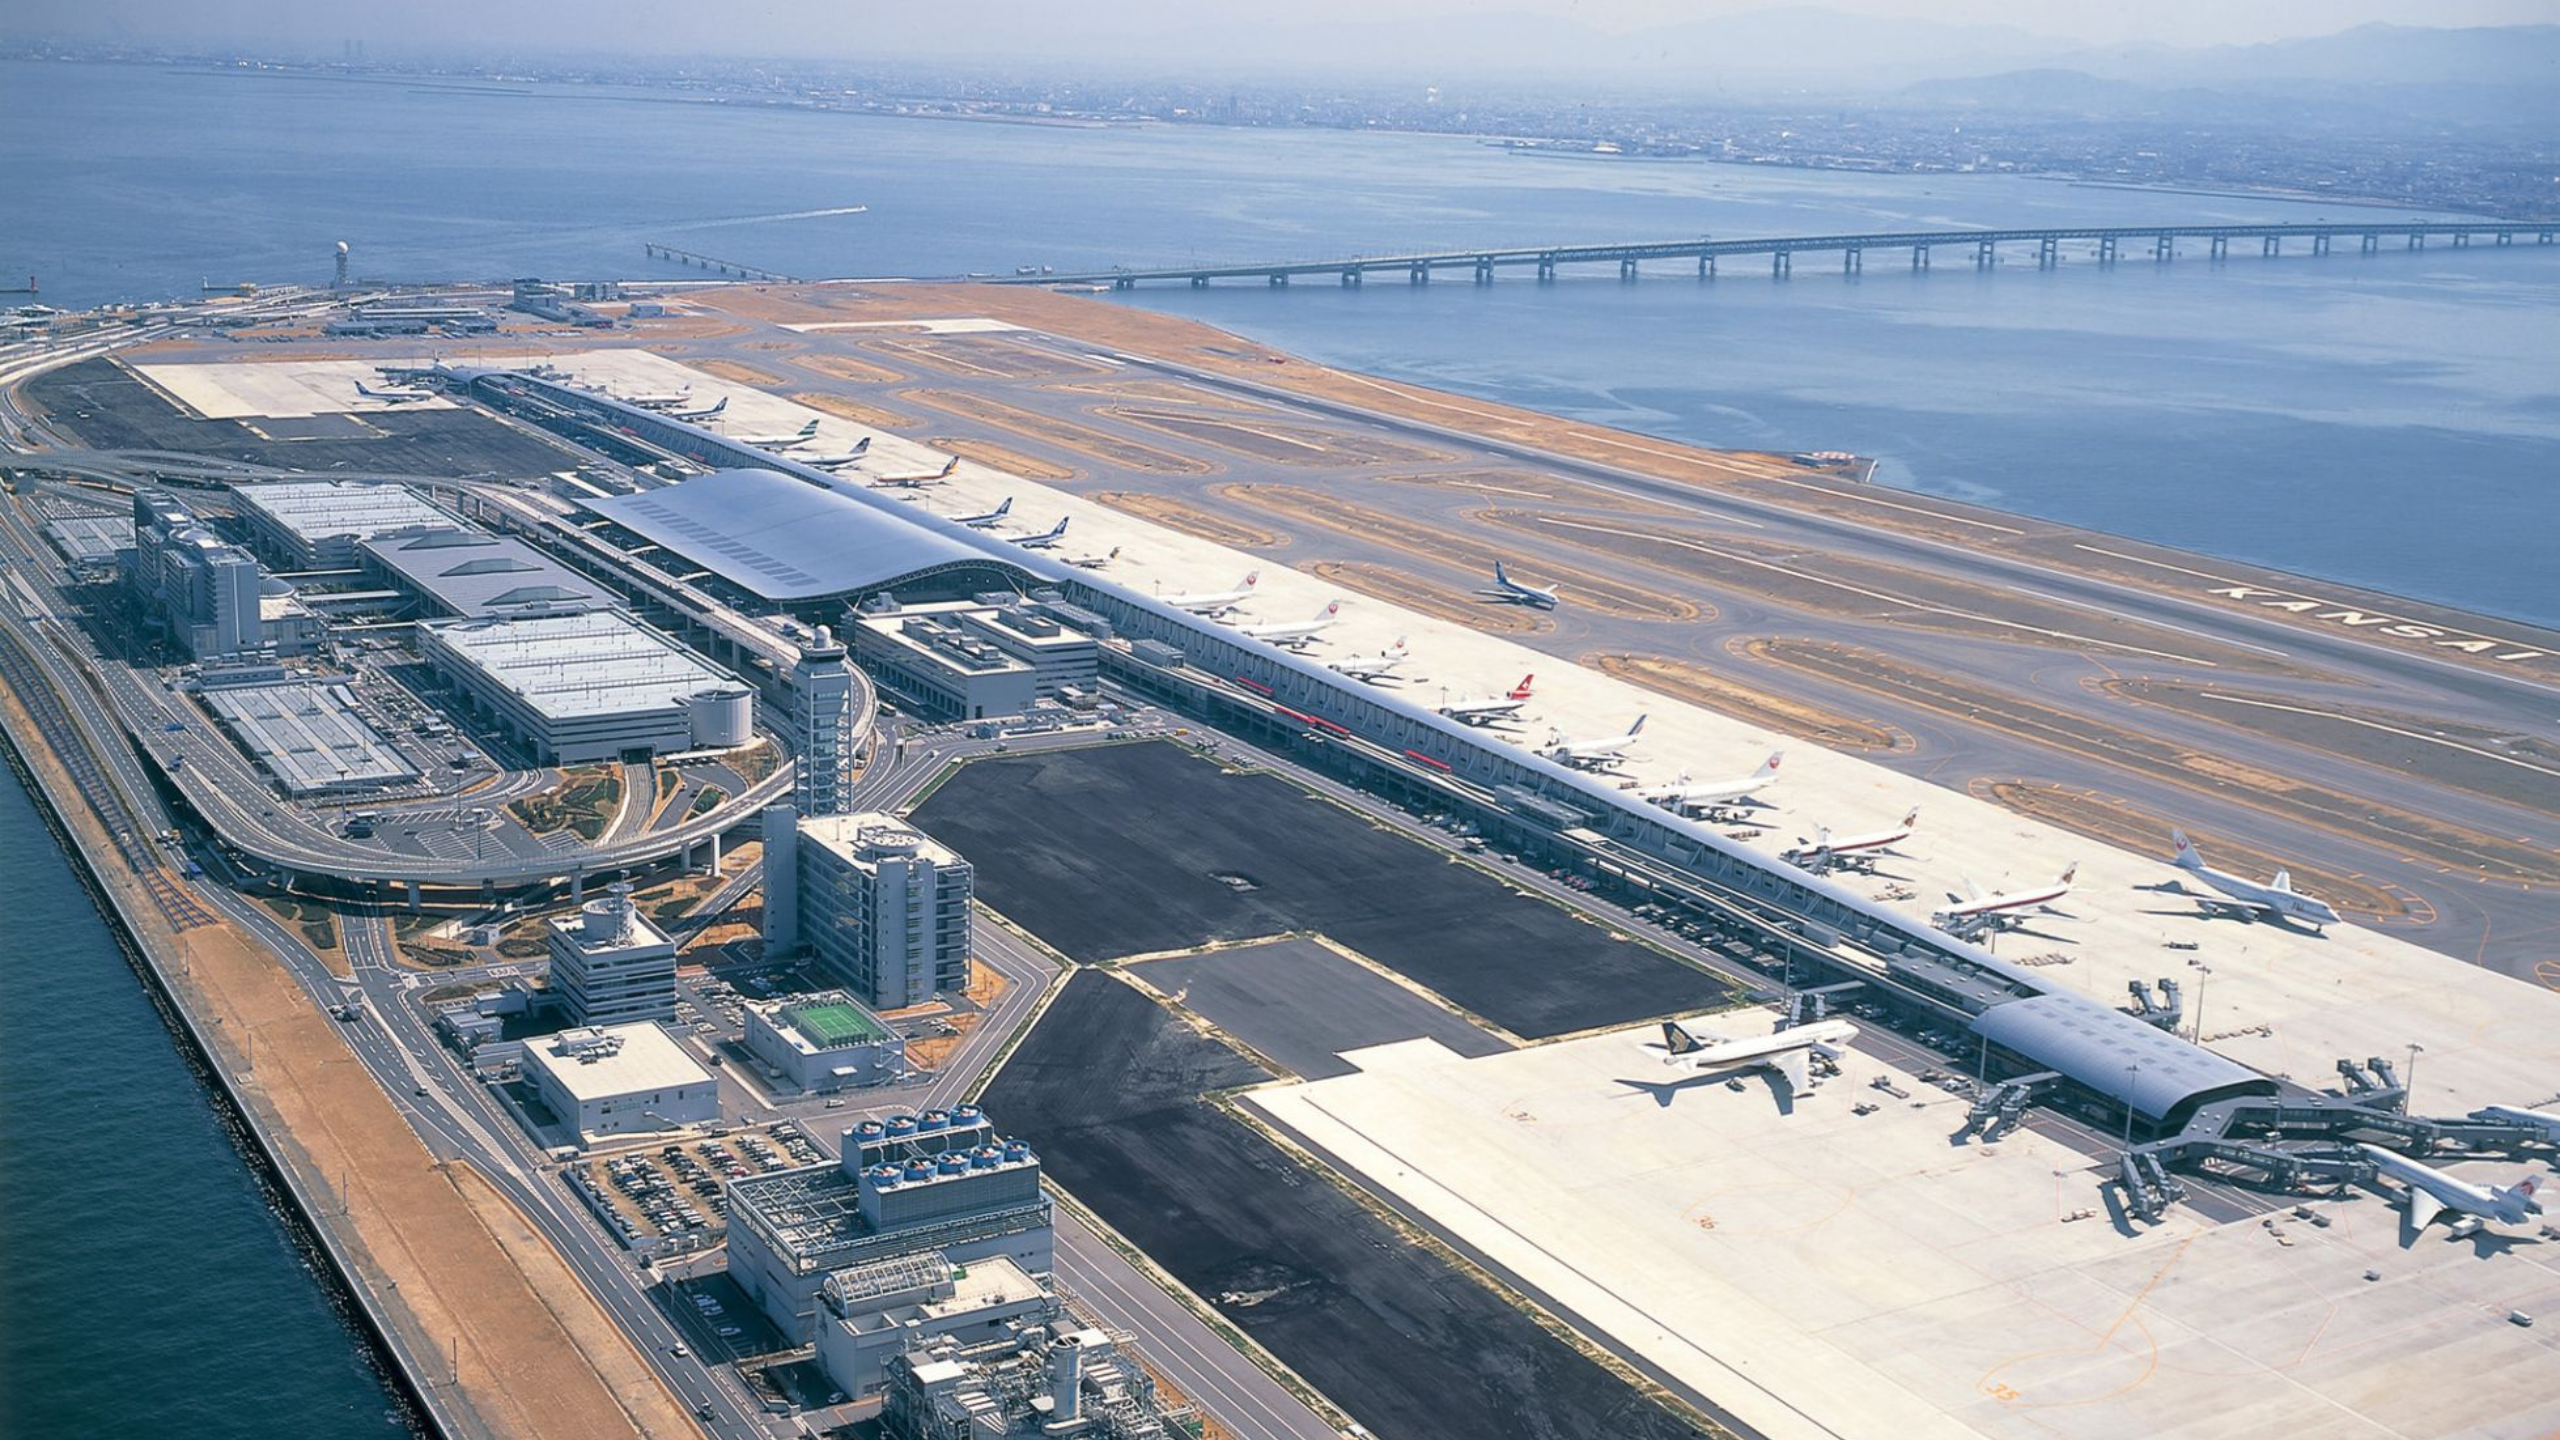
620, 1080
882, 907
824, 1042
942, 1181
597, 685
610, 966
876, 1312
464, 571
318, 524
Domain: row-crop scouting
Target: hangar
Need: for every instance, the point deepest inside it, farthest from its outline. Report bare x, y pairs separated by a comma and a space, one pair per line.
793, 543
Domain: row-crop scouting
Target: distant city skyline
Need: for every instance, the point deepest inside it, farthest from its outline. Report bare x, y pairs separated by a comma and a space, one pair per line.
1141, 31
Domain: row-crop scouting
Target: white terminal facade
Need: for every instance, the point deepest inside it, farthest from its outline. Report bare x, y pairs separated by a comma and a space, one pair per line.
883, 907
574, 689
609, 965
620, 1080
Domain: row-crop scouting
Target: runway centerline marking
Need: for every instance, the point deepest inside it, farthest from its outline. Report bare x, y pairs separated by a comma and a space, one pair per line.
1890, 599
2386, 729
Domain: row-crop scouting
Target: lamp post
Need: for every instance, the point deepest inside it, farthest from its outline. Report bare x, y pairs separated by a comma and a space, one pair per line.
2409, 1080
2203, 973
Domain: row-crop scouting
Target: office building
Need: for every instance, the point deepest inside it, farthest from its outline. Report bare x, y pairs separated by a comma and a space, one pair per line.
620, 1080
883, 908
973, 661
207, 592
609, 965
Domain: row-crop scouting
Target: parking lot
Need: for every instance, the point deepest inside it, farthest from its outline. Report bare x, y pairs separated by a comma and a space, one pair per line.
1137, 849
673, 1194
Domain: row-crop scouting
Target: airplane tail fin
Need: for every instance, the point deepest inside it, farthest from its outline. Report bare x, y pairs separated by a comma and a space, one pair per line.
1677, 1039
810, 429
1500, 576
1638, 727
2521, 1195
949, 467
1769, 766
2283, 882
2070, 872
1331, 609
1521, 690
2186, 857
862, 446
1251, 579
1911, 819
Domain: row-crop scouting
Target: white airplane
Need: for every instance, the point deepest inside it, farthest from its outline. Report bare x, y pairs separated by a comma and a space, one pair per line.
1826, 850
1686, 794
1214, 603
659, 400
2000, 910
1293, 634
792, 441
2245, 898
711, 412
1512, 592
1094, 562
2431, 1192
1789, 1052
1373, 667
394, 397
840, 459
1485, 709
1590, 754
2549, 1125
1045, 540
988, 520
916, 482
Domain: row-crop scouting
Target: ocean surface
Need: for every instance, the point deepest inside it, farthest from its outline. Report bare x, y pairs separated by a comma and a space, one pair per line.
2392, 421
148, 1289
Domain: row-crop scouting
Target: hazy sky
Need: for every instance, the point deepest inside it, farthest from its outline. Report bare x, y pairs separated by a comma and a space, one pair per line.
855, 28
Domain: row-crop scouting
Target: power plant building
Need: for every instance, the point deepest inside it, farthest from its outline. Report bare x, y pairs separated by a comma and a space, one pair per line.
593, 686
620, 1080
884, 908
942, 1181
319, 524
824, 1042
609, 965
876, 1312
1047, 1381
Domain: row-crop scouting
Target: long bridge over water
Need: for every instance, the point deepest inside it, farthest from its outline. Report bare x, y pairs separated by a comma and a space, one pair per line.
2112, 241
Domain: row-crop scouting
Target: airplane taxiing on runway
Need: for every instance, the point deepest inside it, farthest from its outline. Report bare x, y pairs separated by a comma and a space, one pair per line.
1512, 592
2246, 898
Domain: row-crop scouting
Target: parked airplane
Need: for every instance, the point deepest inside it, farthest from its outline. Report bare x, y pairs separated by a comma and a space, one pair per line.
1373, 667
860, 448
1512, 592
2549, 1125
1590, 754
711, 412
2431, 1192
989, 519
1686, 794
1293, 634
1214, 603
2246, 898
662, 400
394, 397
1046, 539
1094, 562
1857, 852
2000, 910
792, 441
1485, 709
916, 482
1789, 1052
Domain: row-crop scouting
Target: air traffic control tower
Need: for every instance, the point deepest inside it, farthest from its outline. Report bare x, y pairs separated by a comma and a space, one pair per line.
823, 728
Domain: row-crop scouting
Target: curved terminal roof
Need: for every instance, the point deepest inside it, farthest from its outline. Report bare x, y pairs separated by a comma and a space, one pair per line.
782, 538
2096, 1047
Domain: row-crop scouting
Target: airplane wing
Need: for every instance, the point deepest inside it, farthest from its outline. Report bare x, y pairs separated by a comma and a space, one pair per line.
2424, 1207
2226, 902
1796, 1068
